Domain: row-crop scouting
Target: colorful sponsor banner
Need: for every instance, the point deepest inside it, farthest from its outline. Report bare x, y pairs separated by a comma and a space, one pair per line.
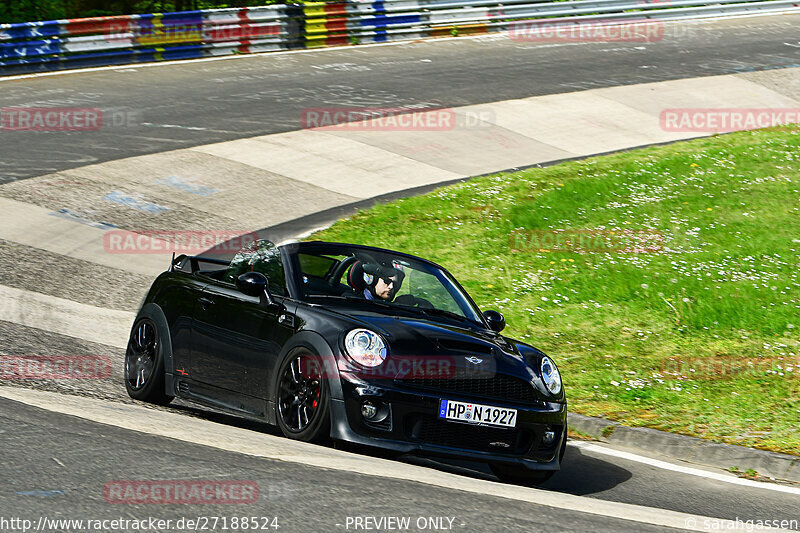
241, 32
98, 41
30, 30
164, 29
101, 25
29, 49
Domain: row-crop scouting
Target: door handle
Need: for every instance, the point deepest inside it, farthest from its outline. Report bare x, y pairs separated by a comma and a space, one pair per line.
205, 302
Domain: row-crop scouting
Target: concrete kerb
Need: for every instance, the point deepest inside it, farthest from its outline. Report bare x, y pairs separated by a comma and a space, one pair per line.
303, 226
690, 449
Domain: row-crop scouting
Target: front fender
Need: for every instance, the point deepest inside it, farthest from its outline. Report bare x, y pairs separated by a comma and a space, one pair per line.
316, 343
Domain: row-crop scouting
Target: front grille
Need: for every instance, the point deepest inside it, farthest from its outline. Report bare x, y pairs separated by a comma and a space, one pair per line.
430, 430
496, 386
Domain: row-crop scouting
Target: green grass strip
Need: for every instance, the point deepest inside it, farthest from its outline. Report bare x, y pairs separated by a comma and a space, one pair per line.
664, 281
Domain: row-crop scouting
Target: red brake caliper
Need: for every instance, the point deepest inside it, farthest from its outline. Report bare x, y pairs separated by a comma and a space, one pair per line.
316, 400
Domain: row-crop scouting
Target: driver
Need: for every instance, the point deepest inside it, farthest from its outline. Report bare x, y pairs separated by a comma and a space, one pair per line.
382, 281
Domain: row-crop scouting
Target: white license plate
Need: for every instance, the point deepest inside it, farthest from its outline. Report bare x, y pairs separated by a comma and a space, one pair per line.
475, 413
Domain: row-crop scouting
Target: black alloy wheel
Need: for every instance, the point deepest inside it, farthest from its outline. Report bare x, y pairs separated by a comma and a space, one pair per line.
144, 363
302, 398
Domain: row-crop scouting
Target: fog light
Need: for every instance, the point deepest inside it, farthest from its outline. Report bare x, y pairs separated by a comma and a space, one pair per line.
549, 437
368, 410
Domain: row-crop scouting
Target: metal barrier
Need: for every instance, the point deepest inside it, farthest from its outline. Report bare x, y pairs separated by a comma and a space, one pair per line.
65, 44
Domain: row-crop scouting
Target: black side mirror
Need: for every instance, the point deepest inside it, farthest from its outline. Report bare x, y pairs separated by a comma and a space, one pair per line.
495, 319
254, 284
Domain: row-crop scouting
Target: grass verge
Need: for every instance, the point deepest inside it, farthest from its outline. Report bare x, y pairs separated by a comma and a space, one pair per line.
664, 280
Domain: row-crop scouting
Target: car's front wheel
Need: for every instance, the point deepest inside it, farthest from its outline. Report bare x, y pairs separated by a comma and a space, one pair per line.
144, 363
301, 397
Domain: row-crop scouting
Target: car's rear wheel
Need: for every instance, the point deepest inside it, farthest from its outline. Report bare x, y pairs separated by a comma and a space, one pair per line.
301, 397
144, 363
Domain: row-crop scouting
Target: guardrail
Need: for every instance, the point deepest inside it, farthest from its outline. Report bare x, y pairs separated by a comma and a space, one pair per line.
65, 44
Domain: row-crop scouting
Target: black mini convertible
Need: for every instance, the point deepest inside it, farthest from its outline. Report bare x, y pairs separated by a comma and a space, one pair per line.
352, 343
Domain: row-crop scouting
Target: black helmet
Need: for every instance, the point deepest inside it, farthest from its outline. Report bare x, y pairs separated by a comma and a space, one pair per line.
366, 275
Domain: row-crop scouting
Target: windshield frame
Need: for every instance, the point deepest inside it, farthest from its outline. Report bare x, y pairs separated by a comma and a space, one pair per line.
448, 282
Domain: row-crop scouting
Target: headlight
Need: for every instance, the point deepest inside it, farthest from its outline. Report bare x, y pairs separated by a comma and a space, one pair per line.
365, 347
551, 376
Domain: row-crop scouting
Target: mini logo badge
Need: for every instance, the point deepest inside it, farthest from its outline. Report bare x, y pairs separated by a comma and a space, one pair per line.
474, 360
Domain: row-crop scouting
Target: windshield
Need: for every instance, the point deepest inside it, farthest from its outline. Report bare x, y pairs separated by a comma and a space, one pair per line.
380, 279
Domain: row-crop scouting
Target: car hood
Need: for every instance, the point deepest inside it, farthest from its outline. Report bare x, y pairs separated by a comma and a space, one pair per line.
470, 349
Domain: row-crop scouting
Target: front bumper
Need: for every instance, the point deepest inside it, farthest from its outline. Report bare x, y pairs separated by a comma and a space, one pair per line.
412, 426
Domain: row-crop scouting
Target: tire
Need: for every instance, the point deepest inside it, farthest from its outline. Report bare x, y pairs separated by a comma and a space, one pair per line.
302, 404
144, 363
523, 476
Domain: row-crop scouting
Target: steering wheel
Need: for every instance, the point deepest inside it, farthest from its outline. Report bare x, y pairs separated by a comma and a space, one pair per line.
340, 269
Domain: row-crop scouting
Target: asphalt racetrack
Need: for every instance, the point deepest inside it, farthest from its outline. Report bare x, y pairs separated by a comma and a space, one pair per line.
165, 107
